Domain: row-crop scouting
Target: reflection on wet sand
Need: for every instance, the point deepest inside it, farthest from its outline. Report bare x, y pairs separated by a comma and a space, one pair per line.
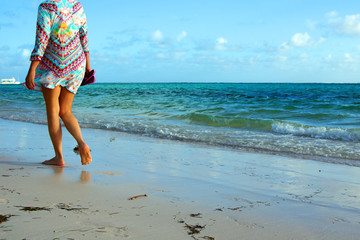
85, 176
58, 170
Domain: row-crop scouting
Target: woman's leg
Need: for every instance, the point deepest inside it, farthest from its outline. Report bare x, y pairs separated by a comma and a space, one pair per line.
51, 97
65, 100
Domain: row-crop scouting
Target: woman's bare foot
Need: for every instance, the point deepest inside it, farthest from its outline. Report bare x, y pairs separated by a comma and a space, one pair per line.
55, 161
85, 154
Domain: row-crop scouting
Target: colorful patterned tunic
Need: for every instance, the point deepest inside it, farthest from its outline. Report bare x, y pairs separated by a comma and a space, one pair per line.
61, 45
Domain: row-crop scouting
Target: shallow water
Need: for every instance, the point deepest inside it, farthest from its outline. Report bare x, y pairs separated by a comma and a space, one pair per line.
318, 121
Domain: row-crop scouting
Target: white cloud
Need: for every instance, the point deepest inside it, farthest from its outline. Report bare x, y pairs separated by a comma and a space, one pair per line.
349, 62
285, 46
220, 43
321, 40
25, 53
181, 36
331, 14
350, 25
300, 39
157, 36
329, 58
349, 58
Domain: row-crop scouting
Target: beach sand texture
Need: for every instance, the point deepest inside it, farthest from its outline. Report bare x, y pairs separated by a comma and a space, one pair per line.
193, 191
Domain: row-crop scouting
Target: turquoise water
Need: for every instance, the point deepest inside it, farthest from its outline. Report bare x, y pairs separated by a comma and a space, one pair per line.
317, 121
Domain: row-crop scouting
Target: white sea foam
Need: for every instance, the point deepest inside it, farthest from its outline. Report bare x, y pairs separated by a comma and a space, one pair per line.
316, 132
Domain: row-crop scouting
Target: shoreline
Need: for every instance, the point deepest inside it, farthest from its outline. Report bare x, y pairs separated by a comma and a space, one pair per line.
251, 118
245, 149
251, 195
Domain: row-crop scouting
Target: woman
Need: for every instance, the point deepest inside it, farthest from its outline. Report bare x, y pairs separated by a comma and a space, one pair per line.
58, 64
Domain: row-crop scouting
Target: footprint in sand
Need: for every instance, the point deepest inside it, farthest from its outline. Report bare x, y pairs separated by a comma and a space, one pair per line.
113, 231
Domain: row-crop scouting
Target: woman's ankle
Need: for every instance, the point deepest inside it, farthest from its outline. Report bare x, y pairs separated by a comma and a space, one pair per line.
82, 145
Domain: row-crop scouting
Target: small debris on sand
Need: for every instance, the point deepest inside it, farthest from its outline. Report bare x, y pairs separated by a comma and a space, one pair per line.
235, 209
138, 196
208, 238
195, 215
76, 150
68, 208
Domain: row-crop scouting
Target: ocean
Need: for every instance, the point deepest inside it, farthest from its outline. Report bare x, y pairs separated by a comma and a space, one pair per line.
313, 121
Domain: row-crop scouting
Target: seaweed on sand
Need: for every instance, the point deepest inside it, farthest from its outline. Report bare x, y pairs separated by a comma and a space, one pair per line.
4, 218
33, 209
194, 229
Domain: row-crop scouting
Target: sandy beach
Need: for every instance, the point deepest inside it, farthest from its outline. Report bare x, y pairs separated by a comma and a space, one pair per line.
193, 191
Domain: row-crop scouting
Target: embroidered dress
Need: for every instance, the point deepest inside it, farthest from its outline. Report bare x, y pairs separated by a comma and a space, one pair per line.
61, 45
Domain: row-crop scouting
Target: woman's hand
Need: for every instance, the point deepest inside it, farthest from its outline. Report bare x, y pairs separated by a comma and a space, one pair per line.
29, 80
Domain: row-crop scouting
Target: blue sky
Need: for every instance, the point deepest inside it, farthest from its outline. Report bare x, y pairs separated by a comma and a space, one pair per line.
203, 41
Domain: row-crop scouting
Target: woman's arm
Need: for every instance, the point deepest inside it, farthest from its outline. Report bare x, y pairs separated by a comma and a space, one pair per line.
43, 29
83, 31
29, 80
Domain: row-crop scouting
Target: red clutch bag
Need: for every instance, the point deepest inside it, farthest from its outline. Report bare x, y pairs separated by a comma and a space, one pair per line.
89, 78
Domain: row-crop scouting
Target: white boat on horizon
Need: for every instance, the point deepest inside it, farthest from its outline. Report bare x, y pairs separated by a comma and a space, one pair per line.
9, 81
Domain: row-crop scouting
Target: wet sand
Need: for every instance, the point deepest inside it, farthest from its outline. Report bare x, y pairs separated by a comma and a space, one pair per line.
193, 191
